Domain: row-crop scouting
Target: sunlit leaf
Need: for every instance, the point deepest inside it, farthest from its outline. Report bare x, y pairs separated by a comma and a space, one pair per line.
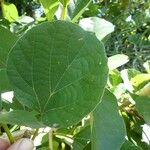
99, 26
10, 11
140, 78
50, 7
117, 61
80, 7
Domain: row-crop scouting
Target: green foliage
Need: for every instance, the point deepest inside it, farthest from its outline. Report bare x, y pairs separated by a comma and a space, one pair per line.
59, 75
104, 130
7, 40
20, 117
63, 91
80, 7
50, 8
9, 11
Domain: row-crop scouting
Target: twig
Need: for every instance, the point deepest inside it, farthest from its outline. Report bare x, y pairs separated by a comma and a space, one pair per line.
50, 137
10, 136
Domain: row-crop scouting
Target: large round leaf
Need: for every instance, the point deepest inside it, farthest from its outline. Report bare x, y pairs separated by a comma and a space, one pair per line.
7, 40
58, 70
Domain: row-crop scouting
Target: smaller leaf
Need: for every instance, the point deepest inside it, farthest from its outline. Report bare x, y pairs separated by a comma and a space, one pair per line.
20, 117
99, 26
50, 8
143, 106
127, 145
10, 11
117, 61
108, 129
115, 78
145, 91
82, 138
80, 7
139, 79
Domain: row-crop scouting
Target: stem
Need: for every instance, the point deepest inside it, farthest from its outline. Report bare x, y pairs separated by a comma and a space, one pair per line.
2, 6
35, 134
10, 137
50, 137
64, 12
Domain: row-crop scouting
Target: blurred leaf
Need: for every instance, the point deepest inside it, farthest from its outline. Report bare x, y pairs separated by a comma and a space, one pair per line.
59, 80
132, 73
82, 138
87, 147
143, 106
114, 78
20, 117
145, 91
64, 2
50, 7
7, 40
80, 7
139, 79
117, 61
108, 129
1, 104
127, 145
147, 66
99, 26
10, 11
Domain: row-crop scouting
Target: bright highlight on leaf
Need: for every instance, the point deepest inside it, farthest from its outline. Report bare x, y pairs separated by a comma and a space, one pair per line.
59, 70
99, 26
10, 11
117, 61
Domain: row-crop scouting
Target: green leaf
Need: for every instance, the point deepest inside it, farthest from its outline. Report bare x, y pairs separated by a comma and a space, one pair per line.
99, 26
61, 73
147, 66
117, 61
140, 78
143, 106
82, 138
7, 40
20, 117
80, 7
4, 83
108, 129
1, 104
10, 11
127, 145
50, 7
114, 78
64, 2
